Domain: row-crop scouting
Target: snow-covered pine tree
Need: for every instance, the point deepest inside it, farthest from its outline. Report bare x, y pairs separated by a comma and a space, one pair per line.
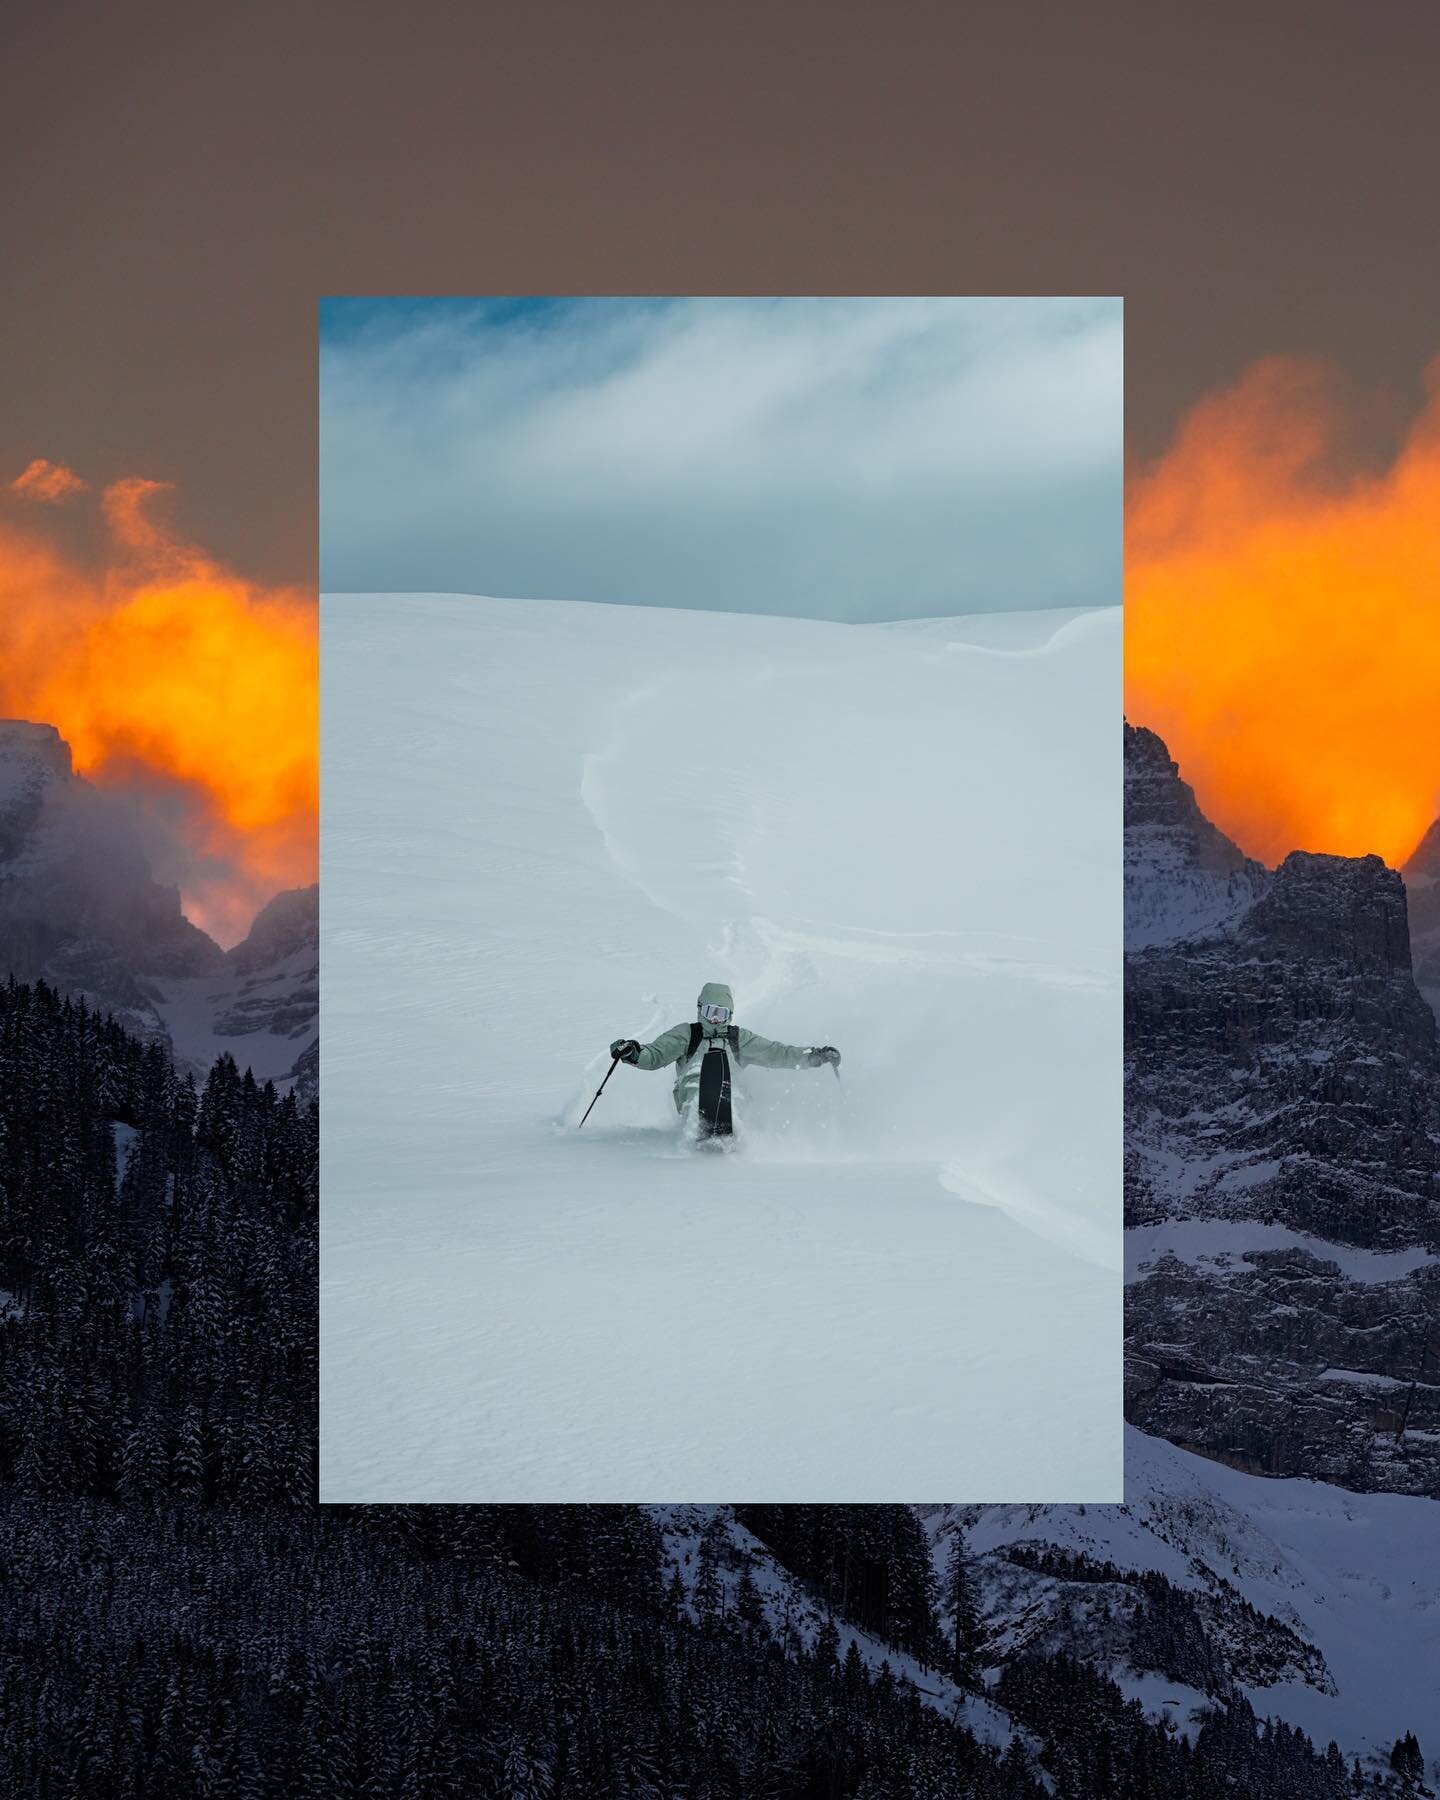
708, 1593
958, 1600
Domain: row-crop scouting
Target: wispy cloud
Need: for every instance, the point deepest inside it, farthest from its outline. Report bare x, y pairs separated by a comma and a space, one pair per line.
849, 459
47, 481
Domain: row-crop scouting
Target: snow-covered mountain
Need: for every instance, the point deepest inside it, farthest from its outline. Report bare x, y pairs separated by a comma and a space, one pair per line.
1283, 1306
1283, 1074
263, 1005
1183, 876
80, 909
78, 906
1320, 1604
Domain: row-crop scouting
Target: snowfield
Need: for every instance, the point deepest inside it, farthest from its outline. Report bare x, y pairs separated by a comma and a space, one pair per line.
1355, 1575
206, 1017
544, 826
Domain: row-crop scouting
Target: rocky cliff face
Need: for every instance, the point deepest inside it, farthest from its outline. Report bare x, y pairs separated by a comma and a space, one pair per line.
78, 905
1182, 875
1422, 886
1288, 1069
263, 1004
1285, 1361
80, 909
277, 970
1283, 1073
34, 763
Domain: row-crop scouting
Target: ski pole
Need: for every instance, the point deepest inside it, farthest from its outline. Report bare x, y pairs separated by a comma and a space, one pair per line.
835, 1071
600, 1090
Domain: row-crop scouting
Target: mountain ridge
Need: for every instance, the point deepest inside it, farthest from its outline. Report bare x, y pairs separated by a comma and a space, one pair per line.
81, 910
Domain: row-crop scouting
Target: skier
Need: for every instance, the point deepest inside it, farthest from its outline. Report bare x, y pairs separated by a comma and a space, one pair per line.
702, 1053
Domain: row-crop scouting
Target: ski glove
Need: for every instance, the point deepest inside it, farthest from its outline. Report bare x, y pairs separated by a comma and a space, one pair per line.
823, 1053
626, 1049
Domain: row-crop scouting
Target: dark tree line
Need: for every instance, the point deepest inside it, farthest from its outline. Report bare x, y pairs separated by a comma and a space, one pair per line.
218, 1652
181, 1619
1065, 1565
871, 1564
159, 1335
1097, 1743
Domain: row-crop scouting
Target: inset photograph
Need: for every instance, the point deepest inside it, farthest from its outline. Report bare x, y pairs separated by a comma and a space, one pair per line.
721, 939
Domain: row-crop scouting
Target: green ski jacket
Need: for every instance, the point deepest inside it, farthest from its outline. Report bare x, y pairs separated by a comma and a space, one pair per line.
751, 1049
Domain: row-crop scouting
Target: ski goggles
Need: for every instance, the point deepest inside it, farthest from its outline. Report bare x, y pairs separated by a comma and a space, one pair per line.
715, 1015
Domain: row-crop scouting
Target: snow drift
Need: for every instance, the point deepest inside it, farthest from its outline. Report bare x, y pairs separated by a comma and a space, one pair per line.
544, 826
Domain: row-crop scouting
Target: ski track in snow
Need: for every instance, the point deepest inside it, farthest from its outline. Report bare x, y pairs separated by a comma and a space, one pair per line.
546, 825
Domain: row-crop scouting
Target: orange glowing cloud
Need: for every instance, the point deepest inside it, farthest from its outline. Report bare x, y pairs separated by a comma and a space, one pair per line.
165, 670
41, 480
1283, 617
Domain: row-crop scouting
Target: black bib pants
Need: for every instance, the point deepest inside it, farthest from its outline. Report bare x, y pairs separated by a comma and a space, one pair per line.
716, 1118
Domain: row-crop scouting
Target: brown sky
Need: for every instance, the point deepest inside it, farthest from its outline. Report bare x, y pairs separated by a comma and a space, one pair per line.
179, 183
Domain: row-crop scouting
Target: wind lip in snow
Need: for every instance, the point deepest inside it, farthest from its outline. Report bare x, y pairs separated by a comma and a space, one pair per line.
1069, 1232
558, 603
1008, 635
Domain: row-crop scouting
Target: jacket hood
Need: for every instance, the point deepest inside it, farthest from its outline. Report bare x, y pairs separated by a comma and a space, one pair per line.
715, 993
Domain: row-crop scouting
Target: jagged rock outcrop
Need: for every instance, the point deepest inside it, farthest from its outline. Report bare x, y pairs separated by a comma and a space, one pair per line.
34, 762
1288, 1069
278, 970
1182, 874
1283, 1072
288, 924
81, 910
1037, 1600
305, 1074
1286, 1364
78, 905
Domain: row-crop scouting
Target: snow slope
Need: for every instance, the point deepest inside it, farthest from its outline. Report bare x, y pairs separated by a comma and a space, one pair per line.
1355, 1575
199, 1014
544, 826
794, 1615
263, 1006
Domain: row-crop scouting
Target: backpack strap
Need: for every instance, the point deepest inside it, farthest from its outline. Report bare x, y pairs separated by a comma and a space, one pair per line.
697, 1031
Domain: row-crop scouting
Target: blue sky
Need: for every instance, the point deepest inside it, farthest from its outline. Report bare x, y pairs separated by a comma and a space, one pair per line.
845, 459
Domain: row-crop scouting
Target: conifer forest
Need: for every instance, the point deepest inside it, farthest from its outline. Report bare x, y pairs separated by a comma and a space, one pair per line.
181, 1619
